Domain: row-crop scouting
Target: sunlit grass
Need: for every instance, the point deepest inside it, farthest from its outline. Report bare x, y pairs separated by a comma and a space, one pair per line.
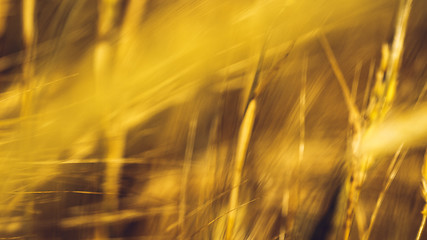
212, 119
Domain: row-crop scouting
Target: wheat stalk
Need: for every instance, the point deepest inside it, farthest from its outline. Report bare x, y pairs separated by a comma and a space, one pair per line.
143, 105
391, 173
382, 97
379, 104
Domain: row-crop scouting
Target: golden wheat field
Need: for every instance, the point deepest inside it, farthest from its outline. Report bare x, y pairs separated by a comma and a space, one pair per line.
213, 119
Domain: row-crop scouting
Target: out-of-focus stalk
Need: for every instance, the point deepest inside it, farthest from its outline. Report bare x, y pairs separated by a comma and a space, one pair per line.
301, 147
302, 112
4, 11
114, 143
107, 17
133, 16
27, 92
28, 33
105, 70
114, 130
185, 173
424, 191
290, 218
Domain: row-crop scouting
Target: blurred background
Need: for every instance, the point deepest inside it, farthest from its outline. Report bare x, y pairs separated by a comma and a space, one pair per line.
209, 119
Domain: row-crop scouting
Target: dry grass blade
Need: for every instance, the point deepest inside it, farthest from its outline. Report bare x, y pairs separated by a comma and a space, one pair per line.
423, 223
354, 112
243, 140
242, 146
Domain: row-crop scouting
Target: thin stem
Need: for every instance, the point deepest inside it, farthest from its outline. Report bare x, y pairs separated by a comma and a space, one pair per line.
354, 112
423, 223
356, 80
391, 172
424, 192
353, 197
368, 85
302, 112
379, 107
